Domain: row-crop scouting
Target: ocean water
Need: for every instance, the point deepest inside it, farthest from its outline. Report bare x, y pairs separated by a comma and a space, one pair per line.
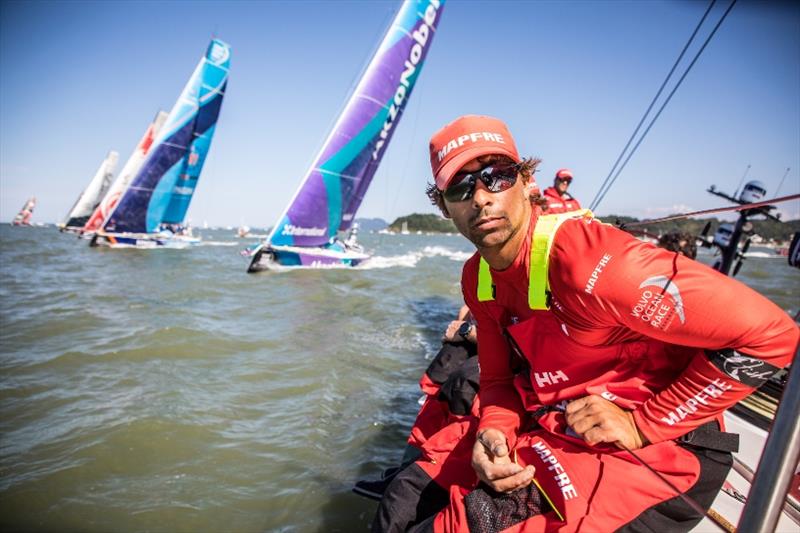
168, 390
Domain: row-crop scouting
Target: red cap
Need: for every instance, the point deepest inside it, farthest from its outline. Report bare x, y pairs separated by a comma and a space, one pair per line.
463, 140
564, 173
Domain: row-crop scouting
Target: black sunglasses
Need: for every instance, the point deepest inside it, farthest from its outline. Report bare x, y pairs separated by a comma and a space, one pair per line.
497, 177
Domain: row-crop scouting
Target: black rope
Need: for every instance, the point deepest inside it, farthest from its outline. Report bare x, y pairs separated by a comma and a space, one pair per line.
652, 122
652, 103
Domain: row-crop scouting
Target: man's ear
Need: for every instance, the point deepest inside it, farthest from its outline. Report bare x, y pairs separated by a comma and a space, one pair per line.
528, 187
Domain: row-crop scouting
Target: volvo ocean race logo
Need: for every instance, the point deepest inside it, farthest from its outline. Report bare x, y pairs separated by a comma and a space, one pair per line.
414, 57
654, 307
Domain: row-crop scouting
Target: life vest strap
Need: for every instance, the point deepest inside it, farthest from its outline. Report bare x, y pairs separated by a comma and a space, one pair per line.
541, 243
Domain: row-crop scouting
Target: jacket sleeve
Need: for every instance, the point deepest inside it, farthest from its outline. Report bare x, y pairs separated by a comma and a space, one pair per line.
500, 405
619, 283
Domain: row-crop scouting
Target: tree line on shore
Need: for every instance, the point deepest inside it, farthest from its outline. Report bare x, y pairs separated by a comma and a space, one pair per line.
769, 230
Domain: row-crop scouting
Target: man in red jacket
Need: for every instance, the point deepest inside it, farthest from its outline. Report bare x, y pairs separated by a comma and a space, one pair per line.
591, 344
558, 199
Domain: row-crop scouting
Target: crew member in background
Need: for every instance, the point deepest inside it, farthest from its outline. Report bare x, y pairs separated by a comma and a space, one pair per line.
590, 343
558, 199
681, 242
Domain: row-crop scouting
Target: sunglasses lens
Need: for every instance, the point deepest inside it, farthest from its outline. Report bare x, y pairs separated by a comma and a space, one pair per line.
499, 179
462, 190
495, 178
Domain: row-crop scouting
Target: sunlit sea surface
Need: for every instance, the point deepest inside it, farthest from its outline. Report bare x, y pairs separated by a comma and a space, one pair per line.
168, 390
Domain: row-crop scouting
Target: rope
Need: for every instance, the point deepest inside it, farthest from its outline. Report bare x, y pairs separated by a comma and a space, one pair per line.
715, 210
664, 84
602, 194
712, 515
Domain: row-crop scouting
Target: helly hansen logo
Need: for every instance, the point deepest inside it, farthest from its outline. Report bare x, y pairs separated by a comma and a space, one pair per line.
544, 379
714, 389
596, 273
559, 475
469, 137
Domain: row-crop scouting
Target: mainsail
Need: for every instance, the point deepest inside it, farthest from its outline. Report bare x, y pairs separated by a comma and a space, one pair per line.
90, 198
125, 176
337, 181
163, 187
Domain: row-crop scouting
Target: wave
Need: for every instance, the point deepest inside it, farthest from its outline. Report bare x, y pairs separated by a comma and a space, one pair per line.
218, 243
411, 259
765, 255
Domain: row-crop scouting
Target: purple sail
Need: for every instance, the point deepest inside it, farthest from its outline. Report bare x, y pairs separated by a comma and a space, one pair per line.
334, 187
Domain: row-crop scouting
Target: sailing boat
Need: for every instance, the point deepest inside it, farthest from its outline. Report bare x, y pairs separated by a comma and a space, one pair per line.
126, 175
23, 218
90, 198
151, 211
307, 233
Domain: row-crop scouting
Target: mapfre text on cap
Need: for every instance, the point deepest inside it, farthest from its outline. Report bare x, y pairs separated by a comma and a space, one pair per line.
472, 137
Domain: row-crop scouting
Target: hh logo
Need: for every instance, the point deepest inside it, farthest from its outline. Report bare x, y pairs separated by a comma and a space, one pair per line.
544, 379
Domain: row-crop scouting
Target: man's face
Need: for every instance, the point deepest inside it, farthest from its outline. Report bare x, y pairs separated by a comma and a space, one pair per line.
489, 219
562, 184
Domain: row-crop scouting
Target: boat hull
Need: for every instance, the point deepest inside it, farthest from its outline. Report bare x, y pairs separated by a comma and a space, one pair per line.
267, 257
142, 240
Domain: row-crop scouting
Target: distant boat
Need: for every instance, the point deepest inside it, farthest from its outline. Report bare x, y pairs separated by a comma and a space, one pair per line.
125, 176
152, 209
307, 233
23, 218
90, 198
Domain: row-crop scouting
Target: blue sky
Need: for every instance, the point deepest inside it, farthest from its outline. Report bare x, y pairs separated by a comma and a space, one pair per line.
571, 79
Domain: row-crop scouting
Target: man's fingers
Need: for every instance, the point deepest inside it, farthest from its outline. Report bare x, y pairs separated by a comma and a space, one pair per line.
576, 405
517, 481
596, 435
494, 443
581, 423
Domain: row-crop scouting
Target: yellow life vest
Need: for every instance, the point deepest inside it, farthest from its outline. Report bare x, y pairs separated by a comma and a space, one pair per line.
541, 242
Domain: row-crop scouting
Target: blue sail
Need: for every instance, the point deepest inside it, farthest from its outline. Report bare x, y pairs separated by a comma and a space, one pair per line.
163, 187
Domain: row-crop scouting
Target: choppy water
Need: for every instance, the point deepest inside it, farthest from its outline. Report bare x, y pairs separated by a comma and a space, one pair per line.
167, 390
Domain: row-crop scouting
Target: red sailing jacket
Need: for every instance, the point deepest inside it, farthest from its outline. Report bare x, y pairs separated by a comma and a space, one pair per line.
609, 288
559, 204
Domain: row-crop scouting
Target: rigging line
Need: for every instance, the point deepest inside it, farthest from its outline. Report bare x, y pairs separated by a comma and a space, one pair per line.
736, 192
664, 105
715, 210
410, 146
652, 103
712, 515
783, 179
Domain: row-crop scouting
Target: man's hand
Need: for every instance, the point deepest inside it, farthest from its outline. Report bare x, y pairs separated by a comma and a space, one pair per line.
493, 465
451, 333
597, 420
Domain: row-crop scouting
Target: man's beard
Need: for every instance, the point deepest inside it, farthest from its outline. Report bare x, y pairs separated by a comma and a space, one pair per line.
493, 236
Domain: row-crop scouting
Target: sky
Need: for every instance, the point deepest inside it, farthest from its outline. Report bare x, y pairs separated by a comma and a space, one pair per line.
571, 79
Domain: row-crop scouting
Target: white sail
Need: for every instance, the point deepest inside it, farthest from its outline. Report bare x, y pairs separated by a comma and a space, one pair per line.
92, 194
126, 175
